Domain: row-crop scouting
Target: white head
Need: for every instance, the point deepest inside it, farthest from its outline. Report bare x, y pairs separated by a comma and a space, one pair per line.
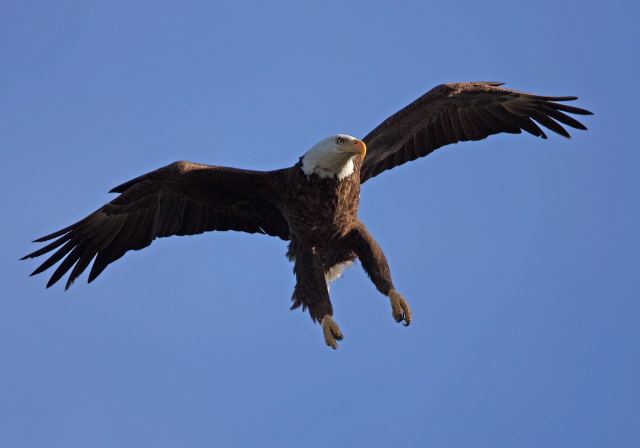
332, 157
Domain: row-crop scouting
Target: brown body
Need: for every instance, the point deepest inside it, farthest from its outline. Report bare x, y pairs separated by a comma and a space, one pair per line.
317, 249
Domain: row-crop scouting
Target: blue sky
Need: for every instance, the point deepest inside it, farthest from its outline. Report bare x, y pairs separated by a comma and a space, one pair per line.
518, 256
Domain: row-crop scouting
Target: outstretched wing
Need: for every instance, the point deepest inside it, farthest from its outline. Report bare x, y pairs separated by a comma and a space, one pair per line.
179, 199
457, 112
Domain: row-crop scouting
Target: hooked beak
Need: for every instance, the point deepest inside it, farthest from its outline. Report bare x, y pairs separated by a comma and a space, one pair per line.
355, 147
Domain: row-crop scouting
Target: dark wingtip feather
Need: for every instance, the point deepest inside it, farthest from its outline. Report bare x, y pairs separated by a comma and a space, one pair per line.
53, 235
59, 232
43, 267
567, 108
57, 275
561, 131
558, 98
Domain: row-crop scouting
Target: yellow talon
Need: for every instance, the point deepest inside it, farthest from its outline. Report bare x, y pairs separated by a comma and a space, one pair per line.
400, 308
331, 332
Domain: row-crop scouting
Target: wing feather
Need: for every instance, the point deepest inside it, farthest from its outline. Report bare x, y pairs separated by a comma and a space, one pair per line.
562, 118
430, 140
548, 123
447, 127
468, 126
419, 141
480, 125
180, 199
456, 112
496, 123
437, 129
57, 256
461, 136
124, 236
66, 264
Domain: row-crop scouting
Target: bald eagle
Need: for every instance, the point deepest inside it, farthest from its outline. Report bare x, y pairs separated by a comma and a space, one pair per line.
313, 204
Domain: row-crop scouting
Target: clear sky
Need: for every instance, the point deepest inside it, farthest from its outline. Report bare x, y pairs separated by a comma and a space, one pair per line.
518, 256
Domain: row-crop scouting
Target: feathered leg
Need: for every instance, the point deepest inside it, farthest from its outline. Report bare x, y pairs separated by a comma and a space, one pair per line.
375, 265
311, 291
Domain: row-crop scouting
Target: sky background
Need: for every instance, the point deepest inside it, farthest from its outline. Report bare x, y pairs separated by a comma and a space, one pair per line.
518, 256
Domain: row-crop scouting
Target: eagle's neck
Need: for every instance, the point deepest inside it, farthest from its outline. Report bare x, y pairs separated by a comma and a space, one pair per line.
327, 166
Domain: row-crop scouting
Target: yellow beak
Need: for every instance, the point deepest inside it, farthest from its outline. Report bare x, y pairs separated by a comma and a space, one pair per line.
356, 147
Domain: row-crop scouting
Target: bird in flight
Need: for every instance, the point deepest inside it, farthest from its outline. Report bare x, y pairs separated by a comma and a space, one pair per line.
313, 204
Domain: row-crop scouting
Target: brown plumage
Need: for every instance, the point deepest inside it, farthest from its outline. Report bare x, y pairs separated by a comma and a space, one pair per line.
313, 204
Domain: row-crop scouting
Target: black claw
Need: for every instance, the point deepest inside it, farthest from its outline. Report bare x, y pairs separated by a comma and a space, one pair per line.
406, 324
338, 338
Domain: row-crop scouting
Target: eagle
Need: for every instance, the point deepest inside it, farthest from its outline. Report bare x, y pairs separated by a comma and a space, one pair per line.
313, 204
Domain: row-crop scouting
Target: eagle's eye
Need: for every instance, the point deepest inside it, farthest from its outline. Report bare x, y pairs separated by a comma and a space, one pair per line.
340, 141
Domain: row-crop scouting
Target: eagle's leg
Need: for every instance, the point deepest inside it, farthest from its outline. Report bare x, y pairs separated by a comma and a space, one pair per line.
311, 291
375, 265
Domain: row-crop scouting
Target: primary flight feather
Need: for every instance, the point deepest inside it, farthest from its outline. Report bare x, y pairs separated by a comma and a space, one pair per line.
312, 204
